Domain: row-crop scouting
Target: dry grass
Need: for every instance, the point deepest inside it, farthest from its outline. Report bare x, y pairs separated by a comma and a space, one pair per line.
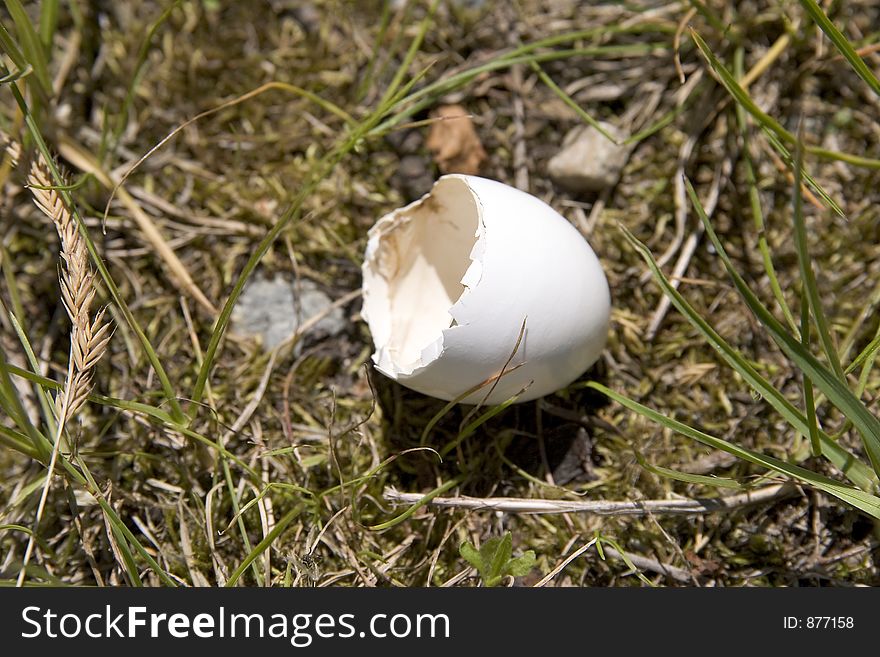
89, 333
301, 444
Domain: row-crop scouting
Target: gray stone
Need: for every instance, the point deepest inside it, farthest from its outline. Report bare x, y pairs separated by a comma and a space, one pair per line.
589, 161
267, 308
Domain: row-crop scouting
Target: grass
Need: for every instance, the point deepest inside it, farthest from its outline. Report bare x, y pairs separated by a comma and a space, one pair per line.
202, 459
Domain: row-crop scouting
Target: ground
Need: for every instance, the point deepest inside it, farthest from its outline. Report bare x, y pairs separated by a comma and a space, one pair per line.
280, 469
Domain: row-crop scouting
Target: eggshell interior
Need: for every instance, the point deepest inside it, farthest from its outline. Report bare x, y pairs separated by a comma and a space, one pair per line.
480, 283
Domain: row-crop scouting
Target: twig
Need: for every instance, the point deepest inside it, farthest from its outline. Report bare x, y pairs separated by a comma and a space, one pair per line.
673, 572
601, 507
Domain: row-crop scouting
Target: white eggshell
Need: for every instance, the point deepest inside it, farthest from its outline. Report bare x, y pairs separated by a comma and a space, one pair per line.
450, 280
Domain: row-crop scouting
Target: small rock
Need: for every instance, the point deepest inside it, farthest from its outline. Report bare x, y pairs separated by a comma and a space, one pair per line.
267, 308
588, 161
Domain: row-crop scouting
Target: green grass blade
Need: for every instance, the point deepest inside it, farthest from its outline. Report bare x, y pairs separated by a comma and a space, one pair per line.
833, 388
240, 521
568, 100
391, 47
18, 74
785, 154
866, 502
809, 401
136, 75
45, 400
664, 120
867, 354
48, 24
28, 531
124, 404
379, 44
128, 561
163, 418
264, 545
477, 422
17, 441
755, 203
842, 44
621, 553
525, 54
739, 94
31, 45
687, 477
854, 469
15, 317
411, 53
292, 213
427, 95
12, 406
125, 537
396, 520
808, 276
867, 367
867, 311
10, 47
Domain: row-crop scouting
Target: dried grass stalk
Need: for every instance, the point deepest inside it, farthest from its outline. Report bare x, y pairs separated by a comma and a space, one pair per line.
88, 335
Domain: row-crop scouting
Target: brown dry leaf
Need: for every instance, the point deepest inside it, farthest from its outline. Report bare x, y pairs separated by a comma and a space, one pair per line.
454, 141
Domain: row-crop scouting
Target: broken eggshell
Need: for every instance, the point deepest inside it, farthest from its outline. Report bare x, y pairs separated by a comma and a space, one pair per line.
478, 279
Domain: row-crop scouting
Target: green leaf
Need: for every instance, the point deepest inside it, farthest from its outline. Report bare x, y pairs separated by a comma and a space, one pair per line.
470, 554
521, 566
500, 555
452, 483
264, 545
493, 560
